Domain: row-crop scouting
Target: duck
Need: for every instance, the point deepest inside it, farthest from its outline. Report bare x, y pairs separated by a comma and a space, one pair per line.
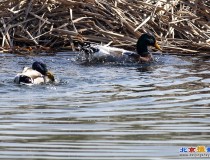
37, 74
96, 51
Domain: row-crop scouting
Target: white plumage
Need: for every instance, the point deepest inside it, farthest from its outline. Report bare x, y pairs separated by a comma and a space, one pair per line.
30, 76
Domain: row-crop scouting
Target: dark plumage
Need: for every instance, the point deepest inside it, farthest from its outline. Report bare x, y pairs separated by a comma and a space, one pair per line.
146, 39
25, 79
40, 67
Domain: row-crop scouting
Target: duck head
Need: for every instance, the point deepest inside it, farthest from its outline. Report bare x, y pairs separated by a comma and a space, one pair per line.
42, 68
146, 39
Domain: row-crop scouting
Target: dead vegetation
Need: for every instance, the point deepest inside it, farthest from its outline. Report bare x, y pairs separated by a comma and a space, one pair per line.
33, 26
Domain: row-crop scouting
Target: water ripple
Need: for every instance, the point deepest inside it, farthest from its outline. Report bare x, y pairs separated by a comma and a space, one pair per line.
105, 111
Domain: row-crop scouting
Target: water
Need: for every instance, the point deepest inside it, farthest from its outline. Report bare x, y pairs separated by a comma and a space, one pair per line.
105, 111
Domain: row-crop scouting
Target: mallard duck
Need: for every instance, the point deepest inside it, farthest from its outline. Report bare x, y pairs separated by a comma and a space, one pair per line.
38, 74
142, 54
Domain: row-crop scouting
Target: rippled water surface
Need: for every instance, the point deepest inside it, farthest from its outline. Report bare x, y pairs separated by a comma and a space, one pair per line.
105, 111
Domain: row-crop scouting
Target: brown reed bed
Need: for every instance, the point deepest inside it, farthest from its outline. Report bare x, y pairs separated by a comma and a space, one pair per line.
34, 26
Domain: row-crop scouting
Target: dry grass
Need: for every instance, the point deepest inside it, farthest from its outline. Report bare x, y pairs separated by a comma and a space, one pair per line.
31, 26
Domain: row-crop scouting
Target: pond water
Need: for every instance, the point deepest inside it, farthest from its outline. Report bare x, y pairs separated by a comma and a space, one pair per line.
105, 111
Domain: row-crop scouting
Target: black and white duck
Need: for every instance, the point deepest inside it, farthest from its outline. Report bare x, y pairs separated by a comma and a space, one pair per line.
38, 74
141, 55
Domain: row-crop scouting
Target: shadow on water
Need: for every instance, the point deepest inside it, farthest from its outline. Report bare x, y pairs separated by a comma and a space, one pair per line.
105, 110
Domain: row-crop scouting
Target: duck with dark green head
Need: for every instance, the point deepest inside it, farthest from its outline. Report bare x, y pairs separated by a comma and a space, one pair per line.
38, 74
143, 42
104, 52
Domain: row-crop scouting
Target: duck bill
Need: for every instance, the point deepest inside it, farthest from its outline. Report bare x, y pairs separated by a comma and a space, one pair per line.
50, 76
157, 46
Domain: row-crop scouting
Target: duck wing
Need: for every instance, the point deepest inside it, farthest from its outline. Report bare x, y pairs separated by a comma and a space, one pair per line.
31, 73
103, 51
39, 80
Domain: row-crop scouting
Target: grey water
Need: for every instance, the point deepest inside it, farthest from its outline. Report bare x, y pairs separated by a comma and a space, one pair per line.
105, 111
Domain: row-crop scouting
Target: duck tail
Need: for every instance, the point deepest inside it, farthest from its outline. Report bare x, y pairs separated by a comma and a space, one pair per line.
87, 48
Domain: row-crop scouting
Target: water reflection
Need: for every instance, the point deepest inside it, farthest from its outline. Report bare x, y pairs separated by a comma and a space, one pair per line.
105, 111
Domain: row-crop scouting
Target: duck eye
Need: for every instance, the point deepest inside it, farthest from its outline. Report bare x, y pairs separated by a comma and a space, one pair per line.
150, 41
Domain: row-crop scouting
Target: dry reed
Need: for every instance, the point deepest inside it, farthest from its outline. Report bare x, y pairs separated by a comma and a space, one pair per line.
33, 26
